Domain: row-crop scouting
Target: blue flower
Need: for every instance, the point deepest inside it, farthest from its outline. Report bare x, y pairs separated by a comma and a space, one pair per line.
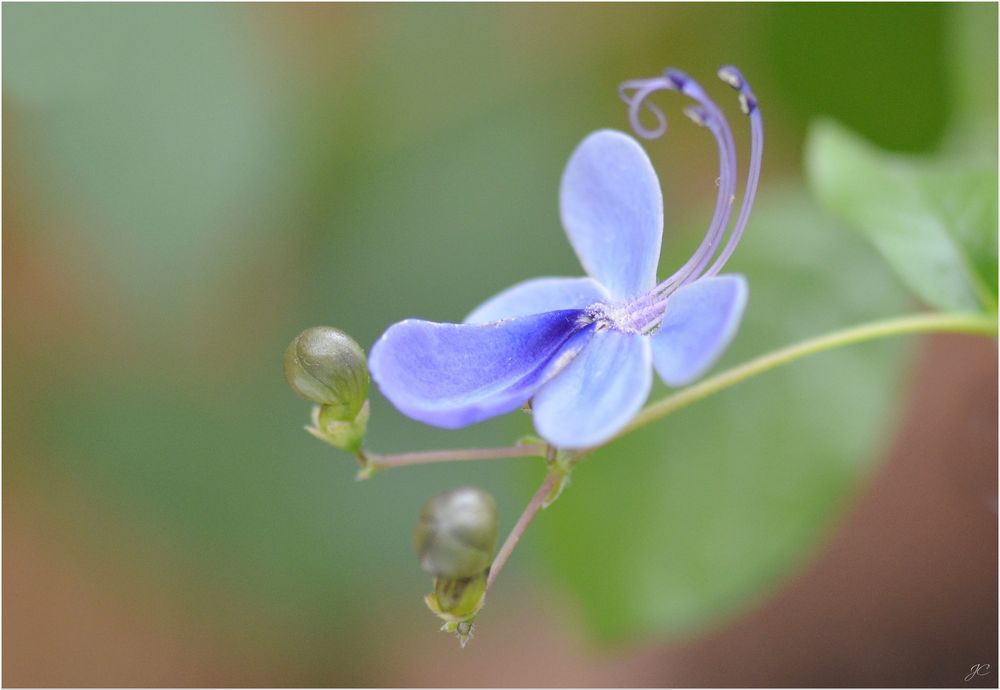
582, 350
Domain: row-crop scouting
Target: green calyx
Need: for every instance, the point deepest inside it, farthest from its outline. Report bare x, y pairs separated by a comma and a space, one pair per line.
344, 434
456, 603
458, 599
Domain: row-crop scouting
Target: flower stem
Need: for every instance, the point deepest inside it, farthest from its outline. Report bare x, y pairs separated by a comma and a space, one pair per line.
429, 456
534, 505
976, 324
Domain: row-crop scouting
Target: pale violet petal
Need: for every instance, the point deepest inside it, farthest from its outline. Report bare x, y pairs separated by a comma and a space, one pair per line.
539, 295
612, 209
600, 391
700, 321
452, 375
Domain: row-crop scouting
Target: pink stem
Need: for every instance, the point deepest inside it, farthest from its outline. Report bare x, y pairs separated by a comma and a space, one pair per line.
522, 524
430, 456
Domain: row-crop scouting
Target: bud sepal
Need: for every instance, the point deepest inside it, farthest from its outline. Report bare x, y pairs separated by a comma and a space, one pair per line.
344, 434
457, 599
560, 464
463, 629
456, 602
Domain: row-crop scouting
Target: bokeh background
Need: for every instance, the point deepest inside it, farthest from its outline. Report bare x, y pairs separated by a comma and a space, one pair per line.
185, 187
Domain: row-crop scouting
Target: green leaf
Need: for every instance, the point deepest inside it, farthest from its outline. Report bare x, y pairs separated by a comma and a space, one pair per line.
698, 515
973, 80
934, 223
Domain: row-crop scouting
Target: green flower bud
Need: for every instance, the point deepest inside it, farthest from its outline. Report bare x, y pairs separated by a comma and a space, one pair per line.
457, 533
327, 367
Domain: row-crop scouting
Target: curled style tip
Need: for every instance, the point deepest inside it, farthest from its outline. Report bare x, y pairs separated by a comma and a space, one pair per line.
641, 90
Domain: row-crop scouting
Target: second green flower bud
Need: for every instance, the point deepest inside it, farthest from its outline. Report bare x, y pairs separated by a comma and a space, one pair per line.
457, 533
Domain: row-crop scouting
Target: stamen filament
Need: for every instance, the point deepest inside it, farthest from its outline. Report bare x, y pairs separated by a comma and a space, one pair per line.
709, 115
706, 114
648, 314
717, 124
748, 101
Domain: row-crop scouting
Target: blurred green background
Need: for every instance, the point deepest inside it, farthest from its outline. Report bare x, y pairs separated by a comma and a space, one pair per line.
186, 187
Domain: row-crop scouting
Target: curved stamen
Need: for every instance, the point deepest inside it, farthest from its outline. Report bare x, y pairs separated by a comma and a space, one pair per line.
706, 114
748, 101
717, 124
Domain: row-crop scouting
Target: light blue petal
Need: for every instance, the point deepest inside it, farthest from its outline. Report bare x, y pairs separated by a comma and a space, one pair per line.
612, 210
700, 321
537, 296
597, 394
452, 375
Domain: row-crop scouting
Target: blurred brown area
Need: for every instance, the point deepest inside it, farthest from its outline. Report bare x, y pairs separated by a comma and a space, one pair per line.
902, 594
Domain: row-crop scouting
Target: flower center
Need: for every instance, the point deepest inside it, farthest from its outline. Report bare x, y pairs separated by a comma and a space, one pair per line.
638, 316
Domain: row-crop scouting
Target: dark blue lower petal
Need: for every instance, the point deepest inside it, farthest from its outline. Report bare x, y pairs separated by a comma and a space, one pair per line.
537, 296
452, 375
